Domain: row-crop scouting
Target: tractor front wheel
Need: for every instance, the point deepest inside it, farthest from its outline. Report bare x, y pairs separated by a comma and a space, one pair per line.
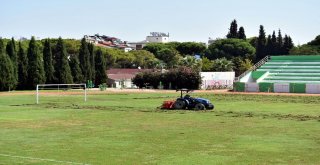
179, 104
199, 106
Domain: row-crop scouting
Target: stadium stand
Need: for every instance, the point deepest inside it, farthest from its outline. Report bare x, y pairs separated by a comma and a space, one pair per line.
294, 74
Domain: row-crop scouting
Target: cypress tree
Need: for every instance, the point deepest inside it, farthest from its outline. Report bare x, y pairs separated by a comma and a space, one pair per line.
62, 68
241, 33
287, 45
100, 63
233, 31
36, 74
7, 78
84, 58
75, 69
12, 53
279, 43
274, 50
92, 61
290, 42
269, 45
22, 68
261, 45
48, 62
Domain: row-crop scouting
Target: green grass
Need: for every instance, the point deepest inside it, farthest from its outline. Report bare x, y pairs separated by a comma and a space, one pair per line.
129, 129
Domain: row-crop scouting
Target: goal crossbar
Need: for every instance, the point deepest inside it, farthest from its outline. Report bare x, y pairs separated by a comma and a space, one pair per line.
58, 85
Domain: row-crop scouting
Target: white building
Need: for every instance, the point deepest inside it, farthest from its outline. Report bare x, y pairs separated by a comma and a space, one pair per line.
157, 37
122, 78
154, 37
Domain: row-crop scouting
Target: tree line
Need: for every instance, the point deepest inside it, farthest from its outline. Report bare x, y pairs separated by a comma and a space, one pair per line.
24, 64
48, 61
310, 48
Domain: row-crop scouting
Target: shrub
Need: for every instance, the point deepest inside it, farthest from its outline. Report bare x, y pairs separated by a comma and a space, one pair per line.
182, 77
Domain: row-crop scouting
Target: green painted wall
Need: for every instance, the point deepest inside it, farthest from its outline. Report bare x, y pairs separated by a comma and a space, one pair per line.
266, 87
239, 86
297, 88
257, 74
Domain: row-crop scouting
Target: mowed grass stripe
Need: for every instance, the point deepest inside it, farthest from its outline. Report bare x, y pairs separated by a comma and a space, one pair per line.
129, 129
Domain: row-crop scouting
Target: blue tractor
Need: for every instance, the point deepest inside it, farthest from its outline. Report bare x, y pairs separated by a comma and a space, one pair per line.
188, 102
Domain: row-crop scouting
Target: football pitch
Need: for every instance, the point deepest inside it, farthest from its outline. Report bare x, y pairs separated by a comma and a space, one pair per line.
128, 128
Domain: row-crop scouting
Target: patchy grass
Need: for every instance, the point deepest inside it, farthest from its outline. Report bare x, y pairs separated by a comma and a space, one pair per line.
130, 129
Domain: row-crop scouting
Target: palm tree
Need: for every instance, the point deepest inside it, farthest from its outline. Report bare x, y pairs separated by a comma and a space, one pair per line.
191, 62
222, 65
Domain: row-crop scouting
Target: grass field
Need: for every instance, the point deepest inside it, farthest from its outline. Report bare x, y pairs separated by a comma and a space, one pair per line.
129, 129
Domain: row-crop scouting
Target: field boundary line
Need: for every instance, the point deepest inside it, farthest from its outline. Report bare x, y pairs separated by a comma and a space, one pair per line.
49, 160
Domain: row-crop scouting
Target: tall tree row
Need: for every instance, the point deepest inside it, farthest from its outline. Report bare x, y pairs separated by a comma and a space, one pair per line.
12, 52
75, 69
100, 67
7, 72
84, 58
273, 45
48, 62
22, 68
241, 33
234, 32
92, 61
63, 71
36, 74
261, 44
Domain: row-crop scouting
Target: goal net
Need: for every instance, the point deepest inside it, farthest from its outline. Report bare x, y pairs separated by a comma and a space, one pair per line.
61, 90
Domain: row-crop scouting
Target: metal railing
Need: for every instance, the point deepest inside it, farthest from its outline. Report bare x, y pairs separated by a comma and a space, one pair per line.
254, 67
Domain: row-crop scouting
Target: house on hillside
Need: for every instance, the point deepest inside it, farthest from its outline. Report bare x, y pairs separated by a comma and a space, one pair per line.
154, 37
122, 78
108, 42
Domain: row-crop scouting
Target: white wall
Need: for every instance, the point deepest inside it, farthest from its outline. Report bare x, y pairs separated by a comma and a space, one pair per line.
251, 87
134, 45
313, 88
156, 39
217, 78
281, 87
127, 84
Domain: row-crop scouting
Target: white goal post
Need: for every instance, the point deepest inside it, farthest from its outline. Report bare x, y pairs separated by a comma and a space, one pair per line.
61, 87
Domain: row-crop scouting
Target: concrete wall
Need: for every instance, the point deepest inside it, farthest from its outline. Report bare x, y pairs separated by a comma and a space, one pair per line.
210, 79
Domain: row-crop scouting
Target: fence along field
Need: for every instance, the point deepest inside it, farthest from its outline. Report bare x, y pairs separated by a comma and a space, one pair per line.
127, 128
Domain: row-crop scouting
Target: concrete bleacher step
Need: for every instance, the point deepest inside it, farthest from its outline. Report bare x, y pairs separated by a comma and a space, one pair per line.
290, 67
296, 74
292, 63
291, 70
291, 81
292, 78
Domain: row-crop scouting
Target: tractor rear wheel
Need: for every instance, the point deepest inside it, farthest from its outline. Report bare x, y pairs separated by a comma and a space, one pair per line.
179, 104
199, 106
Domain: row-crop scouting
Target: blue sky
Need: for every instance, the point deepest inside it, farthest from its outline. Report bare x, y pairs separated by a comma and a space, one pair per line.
185, 20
